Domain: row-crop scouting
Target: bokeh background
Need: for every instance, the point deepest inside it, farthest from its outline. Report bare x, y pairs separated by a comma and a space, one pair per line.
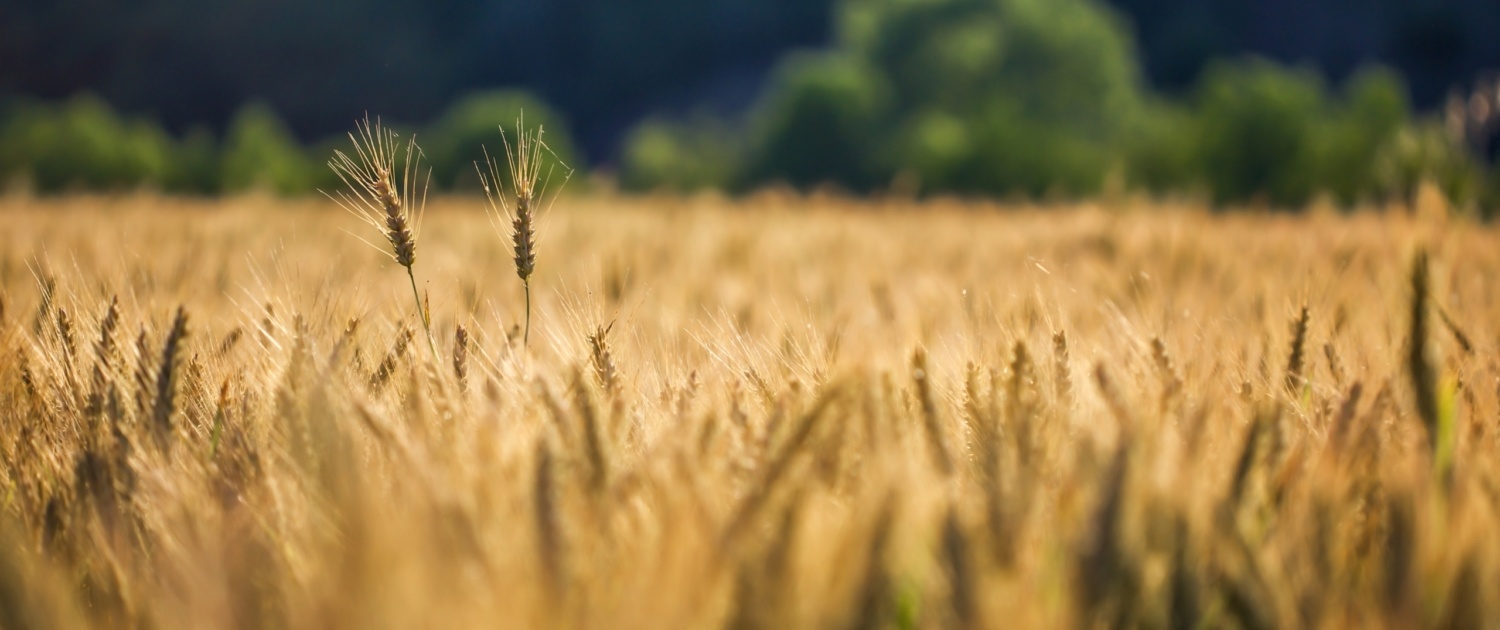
1273, 102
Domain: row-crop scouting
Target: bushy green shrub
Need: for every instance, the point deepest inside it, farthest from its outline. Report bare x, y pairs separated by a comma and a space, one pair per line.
985, 96
195, 165
988, 97
461, 136
1426, 154
1042, 97
680, 156
1257, 131
81, 144
1160, 155
1264, 132
821, 123
1053, 61
1372, 113
260, 153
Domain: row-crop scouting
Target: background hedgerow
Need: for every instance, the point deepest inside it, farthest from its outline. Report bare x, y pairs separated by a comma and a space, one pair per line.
999, 99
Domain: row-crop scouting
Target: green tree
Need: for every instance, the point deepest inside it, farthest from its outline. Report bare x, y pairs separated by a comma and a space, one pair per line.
1257, 132
82, 144
681, 156
1161, 154
988, 96
195, 164
1373, 112
1426, 154
821, 122
261, 153
473, 125
1055, 61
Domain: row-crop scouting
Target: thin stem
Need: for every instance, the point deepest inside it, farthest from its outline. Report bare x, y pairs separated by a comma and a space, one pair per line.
422, 313
526, 338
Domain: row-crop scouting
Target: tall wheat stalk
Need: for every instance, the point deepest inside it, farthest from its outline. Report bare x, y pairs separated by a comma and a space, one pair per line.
524, 166
384, 194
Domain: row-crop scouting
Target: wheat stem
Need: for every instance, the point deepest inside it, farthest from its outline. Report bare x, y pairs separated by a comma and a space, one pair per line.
528, 183
382, 192
422, 313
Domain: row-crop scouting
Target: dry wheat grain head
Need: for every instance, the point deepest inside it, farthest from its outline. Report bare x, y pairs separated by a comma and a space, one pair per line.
383, 182
388, 201
529, 185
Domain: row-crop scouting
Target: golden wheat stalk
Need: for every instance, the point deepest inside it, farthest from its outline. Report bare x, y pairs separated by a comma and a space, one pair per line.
166, 380
524, 168
932, 420
383, 183
603, 360
104, 350
1298, 355
461, 358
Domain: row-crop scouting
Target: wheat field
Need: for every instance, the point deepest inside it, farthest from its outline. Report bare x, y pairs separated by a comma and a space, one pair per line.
779, 412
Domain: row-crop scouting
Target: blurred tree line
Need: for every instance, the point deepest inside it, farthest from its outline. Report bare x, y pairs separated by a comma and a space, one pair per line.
1436, 44
608, 63
984, 97
321, 64
1046, 98
82, 144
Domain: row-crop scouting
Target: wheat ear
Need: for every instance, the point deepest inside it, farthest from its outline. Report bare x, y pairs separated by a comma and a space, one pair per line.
384, 194
166, 380
1419, 366
524, 166
1298, 354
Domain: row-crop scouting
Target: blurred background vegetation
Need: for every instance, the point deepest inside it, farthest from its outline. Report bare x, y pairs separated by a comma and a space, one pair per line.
1276, 103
